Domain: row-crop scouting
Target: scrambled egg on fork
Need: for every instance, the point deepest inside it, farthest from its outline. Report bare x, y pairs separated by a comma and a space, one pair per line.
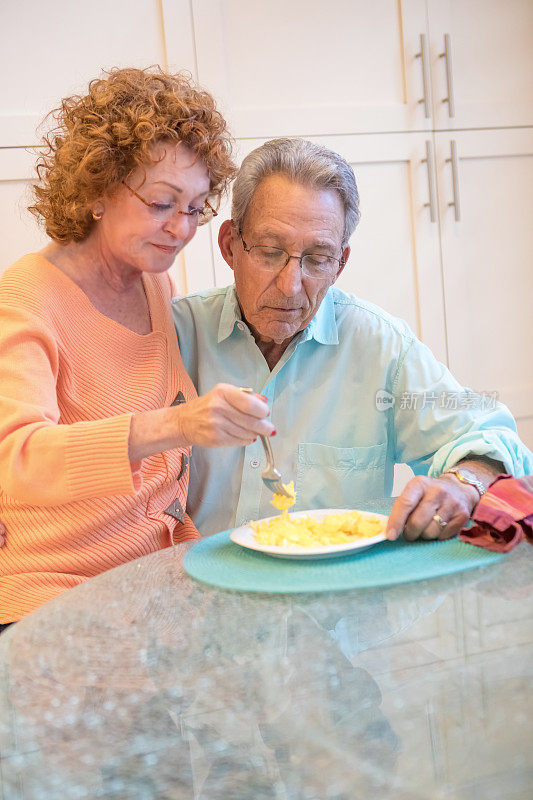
342, 528
281, 501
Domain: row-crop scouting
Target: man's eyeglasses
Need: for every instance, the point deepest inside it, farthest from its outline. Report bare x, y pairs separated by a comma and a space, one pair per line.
274, 259
165, 211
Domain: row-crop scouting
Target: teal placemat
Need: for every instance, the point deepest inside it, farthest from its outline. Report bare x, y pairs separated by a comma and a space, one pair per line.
220, 562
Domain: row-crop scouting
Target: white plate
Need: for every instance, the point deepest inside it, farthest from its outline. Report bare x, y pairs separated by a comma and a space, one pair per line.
245, 537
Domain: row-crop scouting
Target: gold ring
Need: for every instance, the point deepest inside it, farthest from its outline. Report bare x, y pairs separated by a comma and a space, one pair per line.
440, 522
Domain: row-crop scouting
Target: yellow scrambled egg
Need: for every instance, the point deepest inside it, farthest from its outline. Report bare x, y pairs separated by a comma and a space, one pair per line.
281, 501
342, 528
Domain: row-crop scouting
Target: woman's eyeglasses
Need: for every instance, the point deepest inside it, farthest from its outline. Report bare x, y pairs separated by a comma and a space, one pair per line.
165, 211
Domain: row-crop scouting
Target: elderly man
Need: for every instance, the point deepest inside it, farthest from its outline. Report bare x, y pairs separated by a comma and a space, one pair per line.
333, 368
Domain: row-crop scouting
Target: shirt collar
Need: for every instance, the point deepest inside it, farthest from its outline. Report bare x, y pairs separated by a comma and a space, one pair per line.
322, 328
230, 316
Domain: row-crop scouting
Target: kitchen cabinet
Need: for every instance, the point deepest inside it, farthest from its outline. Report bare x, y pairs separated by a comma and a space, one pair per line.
487, 245
480, 58
64, 45
310, 68
20, 233
346, 66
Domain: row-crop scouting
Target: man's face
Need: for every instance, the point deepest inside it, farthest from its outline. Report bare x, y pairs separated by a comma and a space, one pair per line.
300, 220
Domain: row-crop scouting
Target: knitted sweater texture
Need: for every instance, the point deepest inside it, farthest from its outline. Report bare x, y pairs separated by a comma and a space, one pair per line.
71, 503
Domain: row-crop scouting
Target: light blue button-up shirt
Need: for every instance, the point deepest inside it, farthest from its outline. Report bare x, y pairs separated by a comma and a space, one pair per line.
353, 394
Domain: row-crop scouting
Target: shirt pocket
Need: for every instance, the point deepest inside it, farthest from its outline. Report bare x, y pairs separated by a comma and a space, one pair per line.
338, 477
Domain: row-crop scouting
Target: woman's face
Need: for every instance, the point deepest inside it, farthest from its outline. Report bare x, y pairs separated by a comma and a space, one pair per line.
131, 234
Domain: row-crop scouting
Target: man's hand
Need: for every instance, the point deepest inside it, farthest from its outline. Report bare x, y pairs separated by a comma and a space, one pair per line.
422, 499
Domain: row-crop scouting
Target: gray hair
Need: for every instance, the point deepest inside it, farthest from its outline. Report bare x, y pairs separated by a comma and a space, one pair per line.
302, 162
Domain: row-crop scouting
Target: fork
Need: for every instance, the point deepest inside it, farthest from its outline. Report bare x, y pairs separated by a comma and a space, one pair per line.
270, 475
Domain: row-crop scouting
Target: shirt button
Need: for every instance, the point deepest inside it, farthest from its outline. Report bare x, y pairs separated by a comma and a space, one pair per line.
254, 463
240, 326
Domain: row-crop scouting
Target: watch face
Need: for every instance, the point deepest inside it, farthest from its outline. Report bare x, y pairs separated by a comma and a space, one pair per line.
467, 474
468, 477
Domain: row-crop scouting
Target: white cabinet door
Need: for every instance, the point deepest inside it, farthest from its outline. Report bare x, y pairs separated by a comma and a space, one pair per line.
489, 70
51, 50
395, 258
312, 67
20, 232
487, 254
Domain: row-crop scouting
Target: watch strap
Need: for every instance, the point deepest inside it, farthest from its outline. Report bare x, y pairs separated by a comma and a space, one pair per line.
470, 480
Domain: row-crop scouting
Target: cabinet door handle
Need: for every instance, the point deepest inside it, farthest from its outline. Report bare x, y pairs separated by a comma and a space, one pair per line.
455, 180
447, 55
423, 55
431, 183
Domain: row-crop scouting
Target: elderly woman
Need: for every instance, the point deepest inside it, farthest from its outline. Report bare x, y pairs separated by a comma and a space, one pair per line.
97, 414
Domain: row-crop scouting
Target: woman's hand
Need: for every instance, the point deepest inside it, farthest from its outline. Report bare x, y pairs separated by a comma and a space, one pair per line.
225, 416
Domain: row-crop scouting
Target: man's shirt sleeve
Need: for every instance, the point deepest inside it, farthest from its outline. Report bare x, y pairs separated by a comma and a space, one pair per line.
438, 422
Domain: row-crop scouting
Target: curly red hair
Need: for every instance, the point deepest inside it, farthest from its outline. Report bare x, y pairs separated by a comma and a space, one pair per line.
103, 136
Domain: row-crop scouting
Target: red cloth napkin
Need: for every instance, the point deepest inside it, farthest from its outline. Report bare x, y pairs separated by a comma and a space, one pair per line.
504, 515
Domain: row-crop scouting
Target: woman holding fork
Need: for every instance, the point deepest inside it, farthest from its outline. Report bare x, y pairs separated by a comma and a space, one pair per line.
97, 414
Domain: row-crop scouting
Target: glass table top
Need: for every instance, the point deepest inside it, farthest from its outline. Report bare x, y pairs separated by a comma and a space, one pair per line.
143, 684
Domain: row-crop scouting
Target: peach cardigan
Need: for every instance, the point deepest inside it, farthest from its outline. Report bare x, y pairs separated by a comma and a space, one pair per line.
71, 504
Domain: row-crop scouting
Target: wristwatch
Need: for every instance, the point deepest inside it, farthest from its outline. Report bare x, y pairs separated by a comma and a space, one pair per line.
465, 476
